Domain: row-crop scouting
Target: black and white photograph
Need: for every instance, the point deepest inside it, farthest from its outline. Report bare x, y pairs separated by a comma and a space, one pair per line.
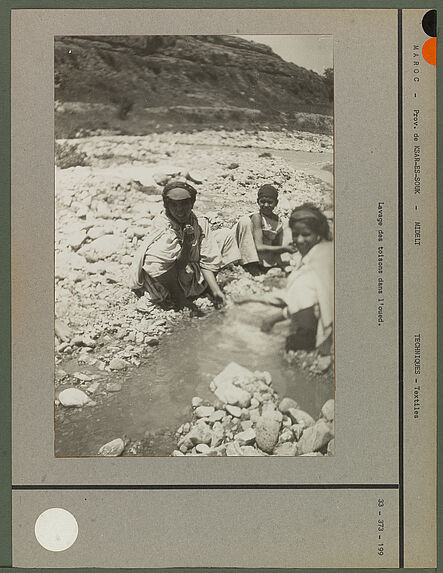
194, 251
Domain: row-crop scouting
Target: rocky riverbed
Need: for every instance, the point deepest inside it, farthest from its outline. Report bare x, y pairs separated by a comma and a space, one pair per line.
248, 418
105, 203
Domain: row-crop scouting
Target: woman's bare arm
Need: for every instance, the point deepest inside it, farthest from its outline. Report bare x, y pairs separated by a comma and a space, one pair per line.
214, 286
267, 299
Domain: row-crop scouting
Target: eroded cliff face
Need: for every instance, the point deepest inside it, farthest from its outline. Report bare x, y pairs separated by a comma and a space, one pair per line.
201, 78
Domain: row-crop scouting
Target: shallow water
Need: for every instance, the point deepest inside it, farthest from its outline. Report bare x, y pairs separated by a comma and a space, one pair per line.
156, 397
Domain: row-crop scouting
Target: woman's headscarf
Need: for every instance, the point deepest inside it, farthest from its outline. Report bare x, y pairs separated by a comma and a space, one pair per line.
311, 216
187, 191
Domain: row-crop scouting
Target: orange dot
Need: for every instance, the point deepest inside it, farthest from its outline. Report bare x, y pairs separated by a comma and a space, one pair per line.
429, 51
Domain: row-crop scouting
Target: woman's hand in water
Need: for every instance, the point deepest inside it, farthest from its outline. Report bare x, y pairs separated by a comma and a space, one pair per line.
267, 324
219, 299
291, 249
236, 299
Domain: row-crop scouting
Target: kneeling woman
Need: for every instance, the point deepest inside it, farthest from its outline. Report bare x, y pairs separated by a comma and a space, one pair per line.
307, 299
180, 257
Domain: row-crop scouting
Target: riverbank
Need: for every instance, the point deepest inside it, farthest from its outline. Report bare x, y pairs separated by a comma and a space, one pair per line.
104, 208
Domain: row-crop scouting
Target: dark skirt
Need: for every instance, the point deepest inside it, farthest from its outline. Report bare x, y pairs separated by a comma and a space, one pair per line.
303, 330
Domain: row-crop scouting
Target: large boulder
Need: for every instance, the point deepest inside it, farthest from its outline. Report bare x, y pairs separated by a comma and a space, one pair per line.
232, 373
267, 430
73, 398
233, 395
328, 410
315, 437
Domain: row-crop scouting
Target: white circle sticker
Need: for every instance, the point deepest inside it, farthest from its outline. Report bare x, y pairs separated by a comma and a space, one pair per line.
56, 529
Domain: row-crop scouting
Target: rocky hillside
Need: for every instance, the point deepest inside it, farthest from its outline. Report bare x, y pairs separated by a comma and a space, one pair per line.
140, 84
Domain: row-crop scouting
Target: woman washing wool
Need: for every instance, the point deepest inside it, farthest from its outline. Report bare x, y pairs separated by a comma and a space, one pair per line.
181, 256
307, 299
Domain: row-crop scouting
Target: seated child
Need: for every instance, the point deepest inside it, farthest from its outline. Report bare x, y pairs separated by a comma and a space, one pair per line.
260, 235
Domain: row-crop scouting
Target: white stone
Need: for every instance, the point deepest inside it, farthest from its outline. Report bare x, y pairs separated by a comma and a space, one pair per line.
73, 398
103, 247
234, 410
113, 448
328, 410
246, 437
217, 416
118, 364
315, 437
230, 394
204, 411
76, 239
202, 448
301, 417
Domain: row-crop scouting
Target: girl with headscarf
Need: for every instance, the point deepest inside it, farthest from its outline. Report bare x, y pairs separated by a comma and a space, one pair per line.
307, 299
260, 236
181, 256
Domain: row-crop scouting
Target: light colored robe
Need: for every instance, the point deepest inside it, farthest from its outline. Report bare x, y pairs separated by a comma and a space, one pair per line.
312, 284
159, 251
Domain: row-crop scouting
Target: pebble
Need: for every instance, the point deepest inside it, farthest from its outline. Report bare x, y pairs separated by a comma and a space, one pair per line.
323, 363
75, 240
234, 410
286, 404
139, 337
202, 448
285, 449
297, 430
286, 436
82, 377
204, 411
217, 416
196, 401
246, 437
254, 415
250, 451
218, 435
93, 388
234, 449
118, 364
200, 434
113, 448
113, 387
299, 416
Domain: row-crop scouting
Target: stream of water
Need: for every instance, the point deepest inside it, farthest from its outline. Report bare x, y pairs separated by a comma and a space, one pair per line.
156, 397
